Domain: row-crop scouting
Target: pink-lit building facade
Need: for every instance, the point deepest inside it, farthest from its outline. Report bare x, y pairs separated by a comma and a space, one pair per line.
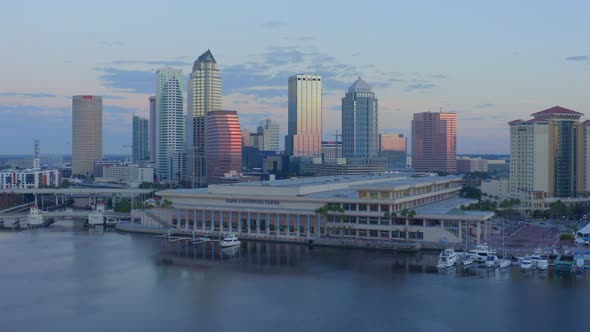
393, 147
434, 142
223, 145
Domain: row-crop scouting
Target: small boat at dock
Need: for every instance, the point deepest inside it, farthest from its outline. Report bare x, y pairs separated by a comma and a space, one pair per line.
526, 264
447, 258
229, 241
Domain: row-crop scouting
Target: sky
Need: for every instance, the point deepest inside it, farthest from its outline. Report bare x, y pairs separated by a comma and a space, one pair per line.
488, 61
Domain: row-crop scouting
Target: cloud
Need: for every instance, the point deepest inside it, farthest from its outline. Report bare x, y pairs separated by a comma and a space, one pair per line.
273, 24
439, 76
485, 105
111, 43
114, 97
578, 58
300, 38
160, 63
28, 94
136, 81
420, 86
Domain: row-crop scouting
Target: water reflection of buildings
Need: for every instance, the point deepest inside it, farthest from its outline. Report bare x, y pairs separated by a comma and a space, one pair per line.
279, 255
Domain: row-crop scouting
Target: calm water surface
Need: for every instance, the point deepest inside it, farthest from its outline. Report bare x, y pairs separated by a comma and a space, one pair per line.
65, 278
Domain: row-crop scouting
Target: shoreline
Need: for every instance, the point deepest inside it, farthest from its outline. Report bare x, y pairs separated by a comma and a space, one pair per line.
335, 243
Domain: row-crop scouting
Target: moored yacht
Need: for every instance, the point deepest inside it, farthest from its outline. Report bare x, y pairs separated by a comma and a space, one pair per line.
481, 252
447, 258
491, 261
467, 260
526, 263
505, 262
229, 241
541, 262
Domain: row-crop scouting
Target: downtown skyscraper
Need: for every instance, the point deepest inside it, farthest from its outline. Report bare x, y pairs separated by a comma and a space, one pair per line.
170, 125
434, 142
304, 136
360, 129
204, 96
152, 135
86, 133
549, 156
140, 139
223, 145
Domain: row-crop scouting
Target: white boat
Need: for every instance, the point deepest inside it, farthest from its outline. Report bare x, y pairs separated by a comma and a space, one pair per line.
541, 262
491, 261
504, 262
526, 263
203, 238
481, 252
468, 260
230, 241
447, 258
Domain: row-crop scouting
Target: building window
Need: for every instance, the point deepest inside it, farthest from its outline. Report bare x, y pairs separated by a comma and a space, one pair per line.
374, 207
416, 235
373, 233
417, 222
398, 235
374, 221
362, 220
384, 208
433, 223
362, 233
384, 234
362, 207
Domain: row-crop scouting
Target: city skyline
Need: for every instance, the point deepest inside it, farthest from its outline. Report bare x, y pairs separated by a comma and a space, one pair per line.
470, 58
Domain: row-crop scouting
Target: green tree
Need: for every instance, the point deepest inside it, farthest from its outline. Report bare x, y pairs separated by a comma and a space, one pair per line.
166, 204
123, 206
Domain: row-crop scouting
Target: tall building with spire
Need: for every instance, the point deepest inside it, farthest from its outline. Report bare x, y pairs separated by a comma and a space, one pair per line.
204, 96
170, 125
304, 136
360, 129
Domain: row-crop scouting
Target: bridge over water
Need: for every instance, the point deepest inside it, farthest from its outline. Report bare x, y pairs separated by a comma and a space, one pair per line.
61, 194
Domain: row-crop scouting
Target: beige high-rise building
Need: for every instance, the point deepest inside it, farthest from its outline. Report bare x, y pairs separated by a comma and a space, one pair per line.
86, 133
304, 137
547, 156
203, 96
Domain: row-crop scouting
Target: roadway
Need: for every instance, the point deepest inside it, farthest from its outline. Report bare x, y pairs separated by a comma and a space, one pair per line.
72, 214
79, 191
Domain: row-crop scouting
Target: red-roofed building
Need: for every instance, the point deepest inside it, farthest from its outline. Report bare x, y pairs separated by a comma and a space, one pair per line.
548, 156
